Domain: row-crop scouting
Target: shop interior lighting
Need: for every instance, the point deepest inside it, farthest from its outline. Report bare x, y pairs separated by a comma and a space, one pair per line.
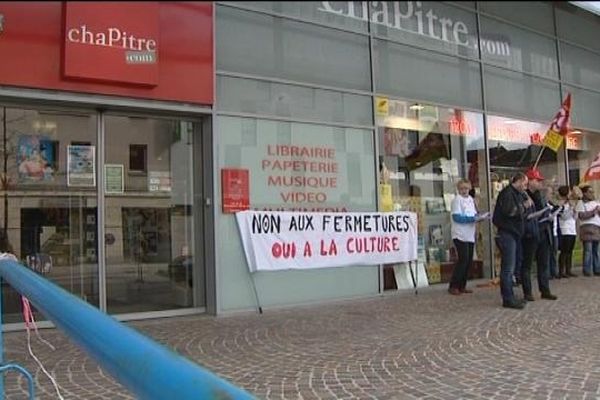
416, 107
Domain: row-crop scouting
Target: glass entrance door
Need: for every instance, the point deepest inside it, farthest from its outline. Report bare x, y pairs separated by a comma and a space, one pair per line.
151, 263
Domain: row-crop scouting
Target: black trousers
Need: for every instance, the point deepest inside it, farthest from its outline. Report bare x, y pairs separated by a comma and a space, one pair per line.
540, 249
542, 259
529, 246
463, 265
565, 259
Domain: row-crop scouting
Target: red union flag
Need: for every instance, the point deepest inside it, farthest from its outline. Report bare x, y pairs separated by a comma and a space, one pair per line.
593, 172
559, 127
560, 123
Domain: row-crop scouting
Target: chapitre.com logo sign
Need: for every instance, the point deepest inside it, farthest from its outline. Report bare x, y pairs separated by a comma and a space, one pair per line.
138, 50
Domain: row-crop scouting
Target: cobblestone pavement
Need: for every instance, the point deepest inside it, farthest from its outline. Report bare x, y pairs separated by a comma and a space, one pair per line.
401, 346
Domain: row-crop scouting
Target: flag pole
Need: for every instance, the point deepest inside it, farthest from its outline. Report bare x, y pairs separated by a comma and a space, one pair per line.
539, 157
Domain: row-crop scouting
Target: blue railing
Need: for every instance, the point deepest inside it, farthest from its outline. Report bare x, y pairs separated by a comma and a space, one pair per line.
146, 368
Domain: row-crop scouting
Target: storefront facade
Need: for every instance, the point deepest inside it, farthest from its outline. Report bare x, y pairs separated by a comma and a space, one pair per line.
409, 97
106, 150
120, 135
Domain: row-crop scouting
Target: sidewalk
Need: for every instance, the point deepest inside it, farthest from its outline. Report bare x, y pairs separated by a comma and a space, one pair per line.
430, 346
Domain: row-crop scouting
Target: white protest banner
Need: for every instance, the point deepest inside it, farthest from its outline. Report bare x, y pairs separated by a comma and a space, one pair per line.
296, 240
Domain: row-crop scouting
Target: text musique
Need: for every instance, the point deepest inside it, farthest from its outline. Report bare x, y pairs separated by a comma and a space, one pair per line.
112, 37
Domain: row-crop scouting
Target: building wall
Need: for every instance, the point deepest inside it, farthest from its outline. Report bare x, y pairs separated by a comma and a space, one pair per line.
308, 74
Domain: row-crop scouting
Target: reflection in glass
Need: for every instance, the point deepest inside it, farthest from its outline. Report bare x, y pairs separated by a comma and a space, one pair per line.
584, 168
150, 254
514, 147
424, 150
50, 219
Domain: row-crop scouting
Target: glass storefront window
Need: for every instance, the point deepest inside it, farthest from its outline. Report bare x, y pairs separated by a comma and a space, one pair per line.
533, 14
431, 25
583, 151
579, 66
415, 73
293, 166
295, 102
423, 151
256, 44
518, 49
586, 104
301, 167
148, 214
584, 168
317, 11
577, 25
49, 205
517, 94
514, 146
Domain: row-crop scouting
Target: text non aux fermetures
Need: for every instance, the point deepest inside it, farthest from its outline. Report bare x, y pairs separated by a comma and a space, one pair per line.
271, 223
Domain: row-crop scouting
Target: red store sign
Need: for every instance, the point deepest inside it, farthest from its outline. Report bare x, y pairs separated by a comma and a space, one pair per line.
153, 50
112, 42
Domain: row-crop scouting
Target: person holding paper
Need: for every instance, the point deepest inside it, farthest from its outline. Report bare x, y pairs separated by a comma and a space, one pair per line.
588, 212
509, 219
553, 265
541, 248
464, 218
567, 231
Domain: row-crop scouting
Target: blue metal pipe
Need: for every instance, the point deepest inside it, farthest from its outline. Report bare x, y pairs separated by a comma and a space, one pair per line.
146, 368
18, 368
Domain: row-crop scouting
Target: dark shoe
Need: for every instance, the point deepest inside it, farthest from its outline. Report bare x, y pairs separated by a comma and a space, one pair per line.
529, 297
564, 276
466, 290
454, 291
587, 274
517, 282
517, 305
549, 296
596, 273
572, 275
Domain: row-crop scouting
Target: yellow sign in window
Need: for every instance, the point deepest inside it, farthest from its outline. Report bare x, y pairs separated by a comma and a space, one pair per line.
382, 106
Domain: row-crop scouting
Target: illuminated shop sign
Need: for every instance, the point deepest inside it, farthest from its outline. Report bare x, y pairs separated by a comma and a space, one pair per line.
419, 18
426, 118
524, 132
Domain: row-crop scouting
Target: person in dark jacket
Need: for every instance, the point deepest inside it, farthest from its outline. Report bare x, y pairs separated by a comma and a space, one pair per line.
509, 218
541, 244
529, 240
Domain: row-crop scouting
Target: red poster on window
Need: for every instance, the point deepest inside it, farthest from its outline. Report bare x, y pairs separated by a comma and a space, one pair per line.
235, 187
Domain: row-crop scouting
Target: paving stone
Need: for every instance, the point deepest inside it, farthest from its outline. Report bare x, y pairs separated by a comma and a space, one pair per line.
430, 346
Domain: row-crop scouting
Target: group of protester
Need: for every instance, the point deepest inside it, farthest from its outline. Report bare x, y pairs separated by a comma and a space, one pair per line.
530, 225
